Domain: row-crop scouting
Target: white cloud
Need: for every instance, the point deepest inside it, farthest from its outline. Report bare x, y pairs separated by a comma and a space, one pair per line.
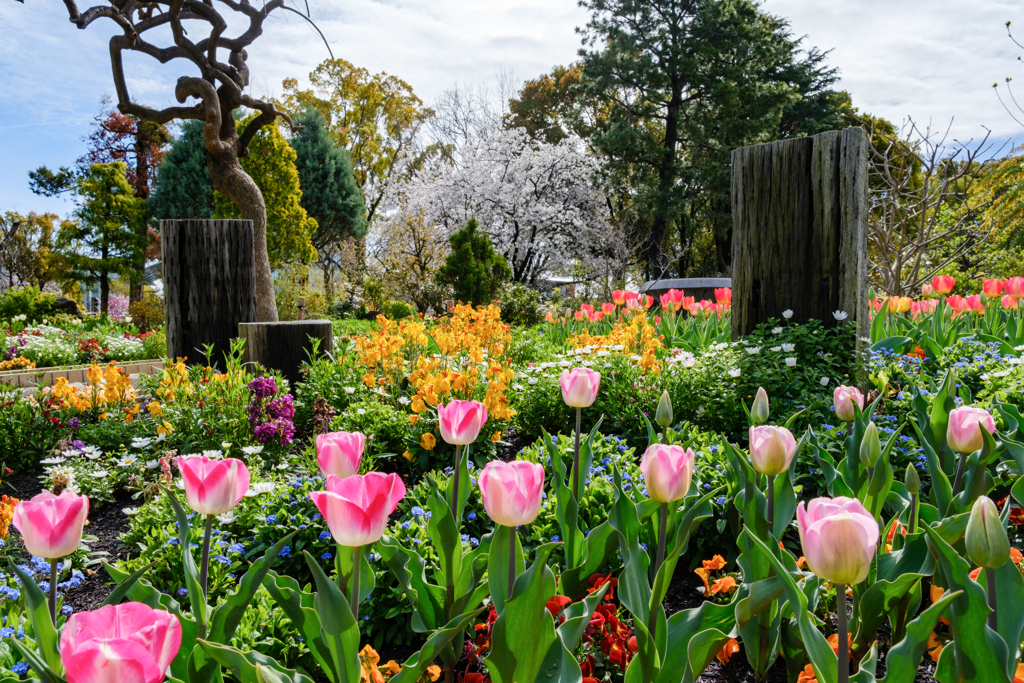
932, 60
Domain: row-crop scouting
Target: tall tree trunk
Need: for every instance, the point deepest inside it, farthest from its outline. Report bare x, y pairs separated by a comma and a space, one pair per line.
666, 180
234, 183
138, 280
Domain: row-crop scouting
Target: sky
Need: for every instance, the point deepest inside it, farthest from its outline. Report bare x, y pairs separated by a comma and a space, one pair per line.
934, 61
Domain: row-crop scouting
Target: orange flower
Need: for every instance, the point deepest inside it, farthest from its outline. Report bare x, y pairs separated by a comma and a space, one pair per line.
1018, 676
427, 441
936, 594
807, 675
434, 671
496, 436
715, 563
1016, 556
974, 573
704, 574
934, 647
724, 585
801, 561
833, 640
728, 650
368, 659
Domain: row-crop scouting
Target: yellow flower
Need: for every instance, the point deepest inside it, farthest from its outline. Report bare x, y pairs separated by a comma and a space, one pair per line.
427, 441
413, 419
496, 436
407, 455
155, 408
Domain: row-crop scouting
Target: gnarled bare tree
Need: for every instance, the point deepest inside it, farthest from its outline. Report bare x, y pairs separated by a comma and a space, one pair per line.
219, 90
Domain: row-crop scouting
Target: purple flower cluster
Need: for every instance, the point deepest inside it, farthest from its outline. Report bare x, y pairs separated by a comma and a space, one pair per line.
270, 418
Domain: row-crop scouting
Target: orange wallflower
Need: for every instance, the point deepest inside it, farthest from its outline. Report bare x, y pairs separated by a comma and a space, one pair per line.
833, 641
807, 675
728, 650
934, 647
725, 585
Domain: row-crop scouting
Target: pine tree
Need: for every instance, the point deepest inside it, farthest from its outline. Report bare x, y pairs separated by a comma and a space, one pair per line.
330, 193
474, 269
183, 185
104, 239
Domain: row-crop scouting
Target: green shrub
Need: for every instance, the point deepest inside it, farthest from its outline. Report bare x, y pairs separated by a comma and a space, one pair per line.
27, 301
399, 309
385, 428
520, 305
473, 269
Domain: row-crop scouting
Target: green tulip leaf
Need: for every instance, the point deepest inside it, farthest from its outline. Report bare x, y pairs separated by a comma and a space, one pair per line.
905, 656
411, 572
299, 606
337, 624
415, 666
244, 665
497, 564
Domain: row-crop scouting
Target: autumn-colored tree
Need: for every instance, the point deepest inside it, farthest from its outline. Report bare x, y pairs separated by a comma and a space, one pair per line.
26, 248
105, 238
271, 164
376, 117
555, 105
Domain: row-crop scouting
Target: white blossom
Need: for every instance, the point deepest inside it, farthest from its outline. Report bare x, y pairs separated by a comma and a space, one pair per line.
825, 381
788, 313
840, 315
734, 372
791, 362
788, 348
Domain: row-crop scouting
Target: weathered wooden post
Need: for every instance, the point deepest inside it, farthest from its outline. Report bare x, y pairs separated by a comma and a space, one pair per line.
284, 345
209, 284
799, 241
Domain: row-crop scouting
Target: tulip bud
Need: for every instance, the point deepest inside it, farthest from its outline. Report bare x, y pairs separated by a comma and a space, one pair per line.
663, 416
838, 537
987, 543
771, 449
870, 446
912, 481
759, 408
964, 430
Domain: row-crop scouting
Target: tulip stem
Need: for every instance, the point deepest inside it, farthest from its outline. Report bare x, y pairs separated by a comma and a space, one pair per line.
844, 641
662, 530
990, 584
913, 513
576, 458
357, 570
53, 590
511, 561
455, 484
959, 474
204, 568
770, 513
664, 435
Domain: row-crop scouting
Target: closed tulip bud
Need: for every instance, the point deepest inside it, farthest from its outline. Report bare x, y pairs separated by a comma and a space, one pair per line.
126, 642
870, 446
460, 421
663, 416
51, 526
759, 408
992, 288
943, 284
213, 487
927, 290
580, 387
838, 538
771, 449
987, 543
339, 453
356, 508
843, 399
511, 491
964, 431
911, 480
668, 471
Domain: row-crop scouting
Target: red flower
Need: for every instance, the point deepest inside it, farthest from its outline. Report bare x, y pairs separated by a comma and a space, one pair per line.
557, 603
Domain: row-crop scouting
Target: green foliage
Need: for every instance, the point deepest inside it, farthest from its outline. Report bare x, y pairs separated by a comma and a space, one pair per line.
474, 269
105, 238
147, 313
271, 165
330, 194
385, 428
520, 305
183, 185
27, 301
399, 309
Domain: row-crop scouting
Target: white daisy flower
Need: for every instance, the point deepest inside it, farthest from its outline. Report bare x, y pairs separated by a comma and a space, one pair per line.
227, 518
404, 401
52, 461
734, 372
789, 348
260, 488
753, 350
840, 315
361, 411
349, 390
791, 362
777, 330
130, 511
788, 313
225, 445
251, 450
214, 454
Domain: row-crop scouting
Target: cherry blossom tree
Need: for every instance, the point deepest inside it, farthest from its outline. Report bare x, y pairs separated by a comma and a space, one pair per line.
536, 201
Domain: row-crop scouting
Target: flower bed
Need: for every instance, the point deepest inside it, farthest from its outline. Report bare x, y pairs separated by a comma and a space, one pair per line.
618, 494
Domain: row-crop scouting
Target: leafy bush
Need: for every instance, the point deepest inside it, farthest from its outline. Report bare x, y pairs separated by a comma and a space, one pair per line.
385, 428
399, 309
147, 313
520, 305
473, 269
27, 301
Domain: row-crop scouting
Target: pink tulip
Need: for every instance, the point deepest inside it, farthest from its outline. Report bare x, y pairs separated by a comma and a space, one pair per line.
587, 309
672, 300
50, 525
357, 508
608, 309
724, 296
1008, 302
646, 301
771, 449
930, 305
213, 487
927, 290
973, 303
596, 316
580, 387
992, 288
964, 431
632, 300
460, 421
943, 284
1015, 287
579, 315
668, 471
511, 491
339, 453
838, 538
843, 399
915, 310
619, 297
126, 643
